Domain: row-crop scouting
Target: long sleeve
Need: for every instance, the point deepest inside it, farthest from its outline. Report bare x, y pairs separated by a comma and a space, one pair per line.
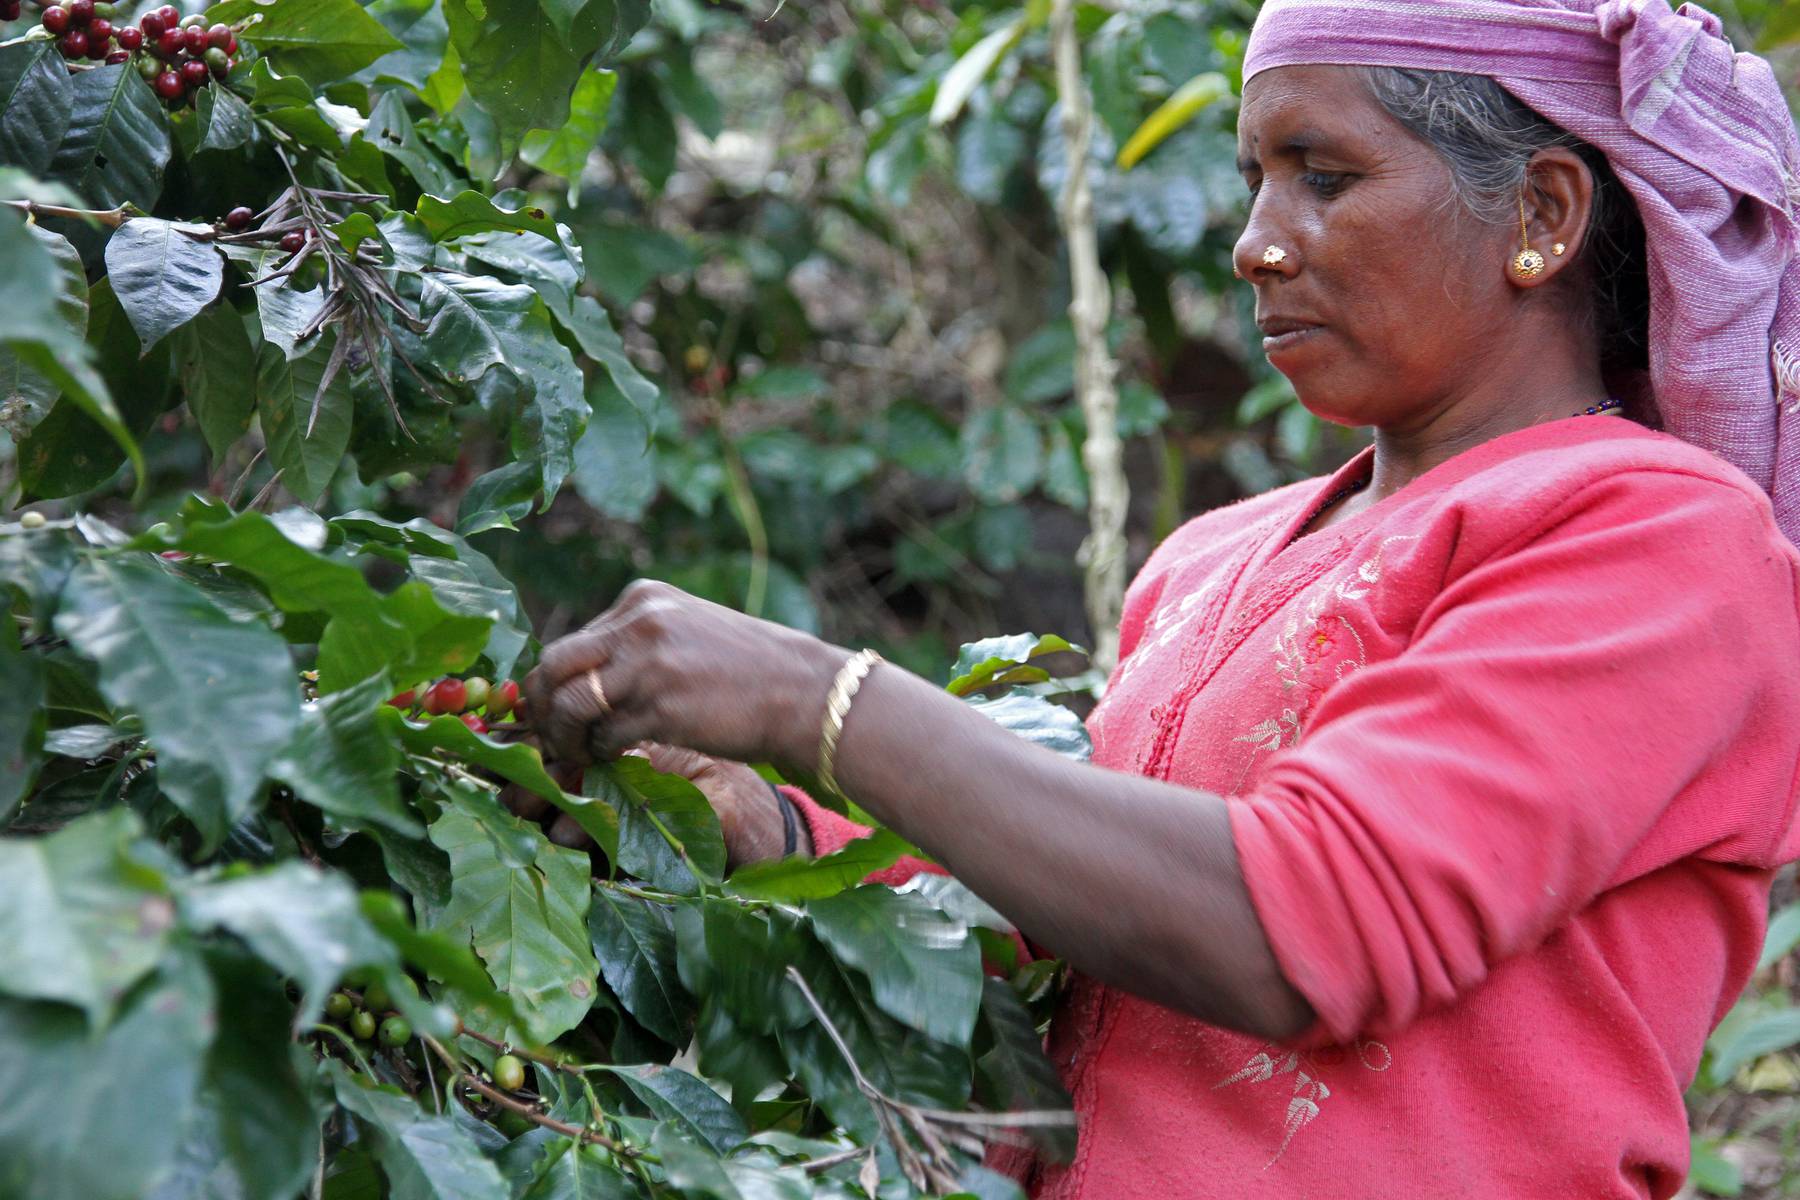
1531, 747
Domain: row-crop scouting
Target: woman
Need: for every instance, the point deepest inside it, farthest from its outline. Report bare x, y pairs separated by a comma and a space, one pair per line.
1434, 804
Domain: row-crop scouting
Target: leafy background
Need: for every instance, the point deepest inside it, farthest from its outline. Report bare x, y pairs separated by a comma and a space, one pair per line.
767, 301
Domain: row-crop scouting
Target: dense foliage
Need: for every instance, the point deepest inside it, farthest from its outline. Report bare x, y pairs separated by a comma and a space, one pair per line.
397, 333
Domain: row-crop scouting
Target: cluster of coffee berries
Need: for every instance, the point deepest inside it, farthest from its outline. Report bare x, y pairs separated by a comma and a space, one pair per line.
364, 1020
463, 698
176, 55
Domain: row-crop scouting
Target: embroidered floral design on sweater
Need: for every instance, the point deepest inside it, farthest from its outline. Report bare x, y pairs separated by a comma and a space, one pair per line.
1309, 1092
1315, 647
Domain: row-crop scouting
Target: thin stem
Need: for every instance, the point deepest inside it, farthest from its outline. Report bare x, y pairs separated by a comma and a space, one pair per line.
347, 1044
814, 1166
112, 218
529, 1112
494, 1043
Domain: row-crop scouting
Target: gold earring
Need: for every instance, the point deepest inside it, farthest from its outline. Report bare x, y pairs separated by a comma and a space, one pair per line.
1527, 263
1274, 256
1558, 249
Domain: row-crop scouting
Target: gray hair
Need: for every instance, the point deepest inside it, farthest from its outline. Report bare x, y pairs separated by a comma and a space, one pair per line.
1487, 136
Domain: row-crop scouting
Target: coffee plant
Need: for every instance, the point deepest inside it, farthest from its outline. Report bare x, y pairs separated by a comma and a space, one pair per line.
267, 928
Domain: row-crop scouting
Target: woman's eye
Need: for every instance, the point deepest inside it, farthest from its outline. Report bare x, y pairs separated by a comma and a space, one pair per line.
1325, 183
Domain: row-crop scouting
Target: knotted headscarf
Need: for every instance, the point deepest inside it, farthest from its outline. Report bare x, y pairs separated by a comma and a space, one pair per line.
1698, 134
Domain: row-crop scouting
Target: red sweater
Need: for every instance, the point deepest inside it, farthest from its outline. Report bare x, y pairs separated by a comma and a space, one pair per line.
1510, 757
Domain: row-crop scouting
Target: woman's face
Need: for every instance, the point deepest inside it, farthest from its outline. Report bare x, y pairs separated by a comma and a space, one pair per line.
1388, 299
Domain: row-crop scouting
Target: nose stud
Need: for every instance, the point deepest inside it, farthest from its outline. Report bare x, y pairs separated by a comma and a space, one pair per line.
1274, 256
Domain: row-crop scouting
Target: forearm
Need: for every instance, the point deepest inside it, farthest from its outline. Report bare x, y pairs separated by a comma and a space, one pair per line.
1134, 881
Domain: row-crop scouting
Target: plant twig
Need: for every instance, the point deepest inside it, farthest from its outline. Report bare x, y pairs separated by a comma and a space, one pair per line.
528, 1111
1102, 555
936, 1169
112, 218
494, 1043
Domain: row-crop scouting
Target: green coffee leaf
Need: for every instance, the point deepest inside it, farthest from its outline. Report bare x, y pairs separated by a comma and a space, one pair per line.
635, 947
319, 40
254, 1131
668, 830
118, 139
342, 761
35, 101
162, 276
1014, 1073
522, 903
924, 967
21, 720
121, 1096
1003, 660
791, 879
1038, 720
217, 696
217, 366
81, 919
674, 1096
307, 923
286, 394
423, 1157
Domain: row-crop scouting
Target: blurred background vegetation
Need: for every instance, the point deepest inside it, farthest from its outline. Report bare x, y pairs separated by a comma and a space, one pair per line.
826, 232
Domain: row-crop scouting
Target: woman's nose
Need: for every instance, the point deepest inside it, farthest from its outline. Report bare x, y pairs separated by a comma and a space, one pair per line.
1263, 249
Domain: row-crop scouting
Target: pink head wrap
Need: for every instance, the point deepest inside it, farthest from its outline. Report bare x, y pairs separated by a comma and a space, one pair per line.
1698, 134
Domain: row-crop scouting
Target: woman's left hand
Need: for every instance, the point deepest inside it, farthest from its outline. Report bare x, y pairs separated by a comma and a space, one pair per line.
663, 666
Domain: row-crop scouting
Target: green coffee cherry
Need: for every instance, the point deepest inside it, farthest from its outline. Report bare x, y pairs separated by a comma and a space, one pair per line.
363, 1024
395, 1031
338, 1006
376, 998
509, 1073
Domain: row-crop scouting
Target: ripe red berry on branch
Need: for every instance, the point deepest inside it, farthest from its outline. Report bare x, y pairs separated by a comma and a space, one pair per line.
238, 219
73, 44
55, 19
171, 16
474, 722
10, 9
152, 25
195, 39
445, 696
169, 45
130, 37
219, 37
169, 86
293, 241
402, 699
195, 74
81, 11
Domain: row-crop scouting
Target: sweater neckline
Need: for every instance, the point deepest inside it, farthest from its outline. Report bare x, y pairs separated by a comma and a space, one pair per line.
1562, 432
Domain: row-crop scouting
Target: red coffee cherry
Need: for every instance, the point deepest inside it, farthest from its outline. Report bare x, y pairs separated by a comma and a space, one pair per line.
474, 722
195, 74
152, 25
220, 36
293, 241
73, 44
117, 57
402, 700
194, 38
169, 45
81, 11
238, 219
55, 19
169, 86
171, 16
446, 695
97, 49
9, 9
130, 38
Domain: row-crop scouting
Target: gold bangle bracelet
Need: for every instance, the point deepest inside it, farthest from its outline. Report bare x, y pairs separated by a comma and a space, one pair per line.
837, 707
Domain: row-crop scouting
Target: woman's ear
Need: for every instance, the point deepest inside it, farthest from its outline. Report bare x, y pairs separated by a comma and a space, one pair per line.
1558, 201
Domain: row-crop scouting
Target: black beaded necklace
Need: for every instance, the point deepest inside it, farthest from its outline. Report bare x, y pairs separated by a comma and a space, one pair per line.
1606, 405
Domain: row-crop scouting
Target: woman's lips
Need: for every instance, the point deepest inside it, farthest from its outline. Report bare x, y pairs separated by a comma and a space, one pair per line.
1281, 335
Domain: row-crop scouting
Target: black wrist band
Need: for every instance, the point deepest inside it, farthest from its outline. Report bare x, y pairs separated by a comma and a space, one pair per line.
790, 823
